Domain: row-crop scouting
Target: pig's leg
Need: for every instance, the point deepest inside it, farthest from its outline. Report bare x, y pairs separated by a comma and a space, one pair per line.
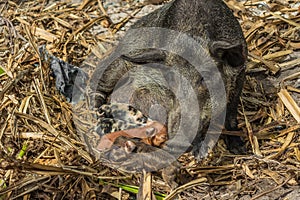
105, 78
234, 58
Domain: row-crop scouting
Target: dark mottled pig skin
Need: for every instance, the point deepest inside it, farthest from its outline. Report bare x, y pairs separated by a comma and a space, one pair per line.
209, 22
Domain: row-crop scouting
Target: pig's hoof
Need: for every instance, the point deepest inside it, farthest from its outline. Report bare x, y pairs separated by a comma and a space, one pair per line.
235, 144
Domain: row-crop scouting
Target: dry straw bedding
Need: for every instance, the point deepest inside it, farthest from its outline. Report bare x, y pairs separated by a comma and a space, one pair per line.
42, 155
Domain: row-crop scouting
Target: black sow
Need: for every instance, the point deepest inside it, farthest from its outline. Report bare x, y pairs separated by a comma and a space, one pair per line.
184, 64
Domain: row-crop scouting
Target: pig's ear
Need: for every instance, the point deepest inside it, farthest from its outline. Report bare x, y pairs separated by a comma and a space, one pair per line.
145, 56
233, 54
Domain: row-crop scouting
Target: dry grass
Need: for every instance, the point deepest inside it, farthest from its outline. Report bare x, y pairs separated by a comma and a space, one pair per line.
42, 155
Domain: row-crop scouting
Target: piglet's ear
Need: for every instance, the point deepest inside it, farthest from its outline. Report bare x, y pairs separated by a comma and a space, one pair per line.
150, 132
233, 54
129, 146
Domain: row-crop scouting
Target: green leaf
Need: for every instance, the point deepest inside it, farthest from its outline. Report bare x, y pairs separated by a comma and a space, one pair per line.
2, 71
134, 189
23, 150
